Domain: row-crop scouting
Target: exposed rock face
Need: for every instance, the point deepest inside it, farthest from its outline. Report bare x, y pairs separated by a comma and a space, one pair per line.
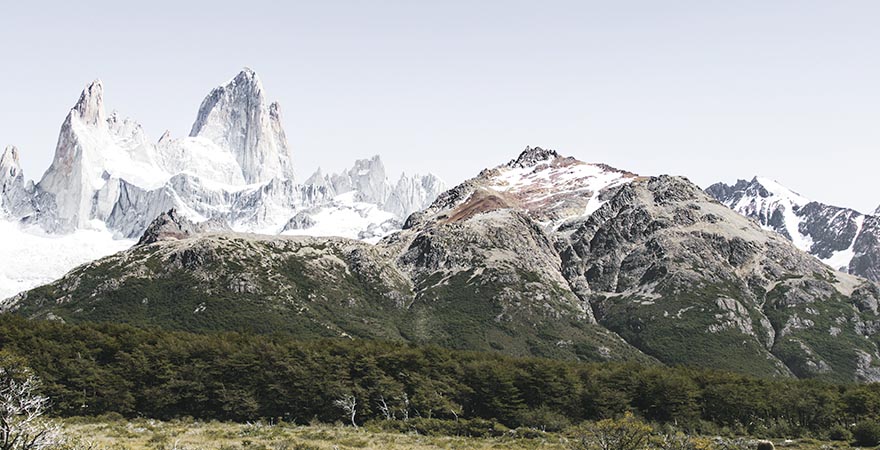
169, 225
662, 258
843, 238
93, 153
413, 193
67, 179
238, 117
15, 195
301, 221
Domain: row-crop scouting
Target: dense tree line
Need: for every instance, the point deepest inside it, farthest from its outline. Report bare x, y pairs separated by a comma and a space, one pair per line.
92, 369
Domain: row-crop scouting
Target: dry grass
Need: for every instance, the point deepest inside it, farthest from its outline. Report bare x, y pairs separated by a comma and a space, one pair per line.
182, 435
155, 435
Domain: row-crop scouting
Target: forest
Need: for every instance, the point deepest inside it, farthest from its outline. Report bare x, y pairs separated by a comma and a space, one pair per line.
99, 369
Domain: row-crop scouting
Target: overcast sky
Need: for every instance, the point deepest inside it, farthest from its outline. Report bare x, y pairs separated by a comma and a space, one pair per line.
713, 90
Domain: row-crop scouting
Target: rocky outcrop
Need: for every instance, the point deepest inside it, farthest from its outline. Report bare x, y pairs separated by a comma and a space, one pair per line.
169, 225
15, 194
301, 221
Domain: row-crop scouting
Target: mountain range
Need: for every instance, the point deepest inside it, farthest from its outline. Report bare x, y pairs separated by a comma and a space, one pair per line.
235, 171
843, 238
543, 255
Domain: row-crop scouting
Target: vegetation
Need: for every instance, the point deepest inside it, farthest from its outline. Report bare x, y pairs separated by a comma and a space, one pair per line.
22, 426
93, 369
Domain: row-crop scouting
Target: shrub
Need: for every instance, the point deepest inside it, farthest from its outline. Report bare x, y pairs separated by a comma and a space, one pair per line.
840, 433
866, 433
544, 419
765, 445
626, 433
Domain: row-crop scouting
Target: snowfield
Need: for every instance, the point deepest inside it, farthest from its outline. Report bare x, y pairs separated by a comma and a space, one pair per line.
31, 258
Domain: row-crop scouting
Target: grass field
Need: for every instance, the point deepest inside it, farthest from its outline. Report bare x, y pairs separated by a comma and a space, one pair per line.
155, 435
150, 434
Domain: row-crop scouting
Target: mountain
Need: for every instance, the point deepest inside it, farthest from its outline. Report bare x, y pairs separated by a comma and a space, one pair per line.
235, 168
238, 117
544, 255
843, 238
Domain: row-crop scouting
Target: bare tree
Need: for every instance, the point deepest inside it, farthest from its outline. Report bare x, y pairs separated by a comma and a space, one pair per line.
405, 409
385, 409
348, 403
22, 426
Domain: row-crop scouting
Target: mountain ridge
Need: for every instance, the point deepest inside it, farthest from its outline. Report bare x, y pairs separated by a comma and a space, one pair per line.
843, 238
543, 256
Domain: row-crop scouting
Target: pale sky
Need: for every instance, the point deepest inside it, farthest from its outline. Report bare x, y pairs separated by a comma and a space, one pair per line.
713, 90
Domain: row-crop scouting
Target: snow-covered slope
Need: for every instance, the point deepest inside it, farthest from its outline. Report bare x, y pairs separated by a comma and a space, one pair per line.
31, 257
235, 169
550, 188
843, 238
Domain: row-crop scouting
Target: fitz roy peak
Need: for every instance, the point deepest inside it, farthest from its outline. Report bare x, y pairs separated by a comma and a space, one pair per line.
238, 117
842, 238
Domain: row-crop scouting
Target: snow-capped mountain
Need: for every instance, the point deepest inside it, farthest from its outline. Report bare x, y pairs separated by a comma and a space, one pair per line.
235, 170
550, 188
842, 238
238, 117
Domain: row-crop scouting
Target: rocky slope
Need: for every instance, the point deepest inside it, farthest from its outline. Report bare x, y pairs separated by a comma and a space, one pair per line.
544, 255
843, 238
313, 287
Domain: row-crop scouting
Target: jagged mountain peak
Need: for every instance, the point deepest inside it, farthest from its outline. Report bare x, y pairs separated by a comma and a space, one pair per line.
548, 187
237, 117
10, 166
169, 225
90, 106
775, 188
842, 238
15, 195
532, 156
317, 178
757, 187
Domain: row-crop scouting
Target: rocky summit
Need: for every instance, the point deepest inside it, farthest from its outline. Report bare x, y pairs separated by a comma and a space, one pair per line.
544, 255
